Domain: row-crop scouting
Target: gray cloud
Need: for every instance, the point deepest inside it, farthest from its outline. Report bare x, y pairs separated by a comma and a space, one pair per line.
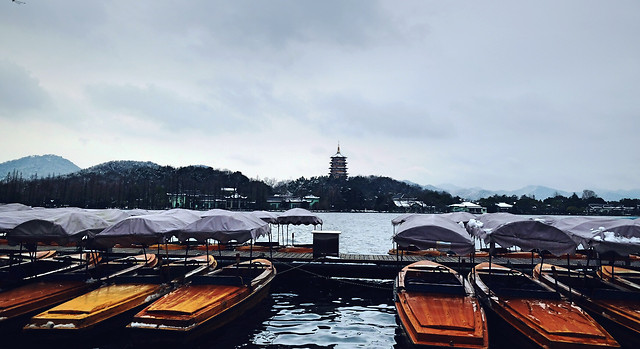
498, 95
19, 91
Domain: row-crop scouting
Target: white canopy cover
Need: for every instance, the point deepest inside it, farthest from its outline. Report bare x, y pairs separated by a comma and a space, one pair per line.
146, 229
434, 231
619, 235
225, 227
59, 226
269, 217
509, 230
297, 216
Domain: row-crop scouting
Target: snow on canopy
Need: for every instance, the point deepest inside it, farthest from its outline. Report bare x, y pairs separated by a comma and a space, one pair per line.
618, 235
434, 231
297, 216
14, 207
145, 229
225, 227
59, 226
508, 230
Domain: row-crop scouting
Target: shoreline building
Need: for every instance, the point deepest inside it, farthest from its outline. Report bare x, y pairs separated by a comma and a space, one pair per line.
338, 167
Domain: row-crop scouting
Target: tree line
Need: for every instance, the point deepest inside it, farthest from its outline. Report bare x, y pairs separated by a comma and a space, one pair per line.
126, 184
122, 184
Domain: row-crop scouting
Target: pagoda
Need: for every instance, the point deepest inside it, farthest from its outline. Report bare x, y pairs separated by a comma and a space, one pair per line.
338, 168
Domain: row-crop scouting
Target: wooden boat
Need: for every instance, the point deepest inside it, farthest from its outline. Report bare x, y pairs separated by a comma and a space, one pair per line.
408, 252
18, 303
207, 303
296, 249
627, 278
109, 302
437, 308
16, 275
616, 308
21, 257
536, 311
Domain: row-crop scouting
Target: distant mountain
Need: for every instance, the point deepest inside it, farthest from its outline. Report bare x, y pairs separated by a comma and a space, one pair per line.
38, 165
537, 191
616, 195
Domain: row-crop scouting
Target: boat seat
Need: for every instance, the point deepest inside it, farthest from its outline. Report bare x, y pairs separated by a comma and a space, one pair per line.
425, 287
526, 293
227, 280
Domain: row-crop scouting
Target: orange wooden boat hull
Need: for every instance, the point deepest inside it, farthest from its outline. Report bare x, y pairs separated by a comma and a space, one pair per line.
621, 308
627, 278
430, 253
29, 298
197, 308
85, 312
88, 310
296, 249
432, 318
536, 311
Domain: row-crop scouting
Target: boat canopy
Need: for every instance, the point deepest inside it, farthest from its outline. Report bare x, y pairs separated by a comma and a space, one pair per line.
225, 227
460, 216
434, 231
14, 207
145, 229
298, 216
266, 216
618, 235
402, 218
60, 226
508, 230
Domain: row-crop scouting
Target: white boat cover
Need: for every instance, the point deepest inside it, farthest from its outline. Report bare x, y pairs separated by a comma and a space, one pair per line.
14, 207
508, 230
402, 218
59, 226
111, 215
225, 227
619, 235
266, 216
145, 229
460, 216
298, 216
434, 231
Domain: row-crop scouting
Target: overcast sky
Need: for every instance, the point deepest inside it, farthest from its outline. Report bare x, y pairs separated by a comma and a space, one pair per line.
492, 94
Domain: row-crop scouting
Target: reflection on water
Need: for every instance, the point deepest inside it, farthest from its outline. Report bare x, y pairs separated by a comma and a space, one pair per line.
315, 313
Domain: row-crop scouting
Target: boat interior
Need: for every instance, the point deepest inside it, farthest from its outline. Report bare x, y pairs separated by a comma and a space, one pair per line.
233, 275
15, 274
427, 279
591, 286
511, 283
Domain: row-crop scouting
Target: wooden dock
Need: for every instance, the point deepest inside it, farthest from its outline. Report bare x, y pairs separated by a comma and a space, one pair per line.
369, 266
387, 266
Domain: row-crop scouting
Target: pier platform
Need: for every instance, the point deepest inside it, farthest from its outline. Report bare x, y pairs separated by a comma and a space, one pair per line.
367, 266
